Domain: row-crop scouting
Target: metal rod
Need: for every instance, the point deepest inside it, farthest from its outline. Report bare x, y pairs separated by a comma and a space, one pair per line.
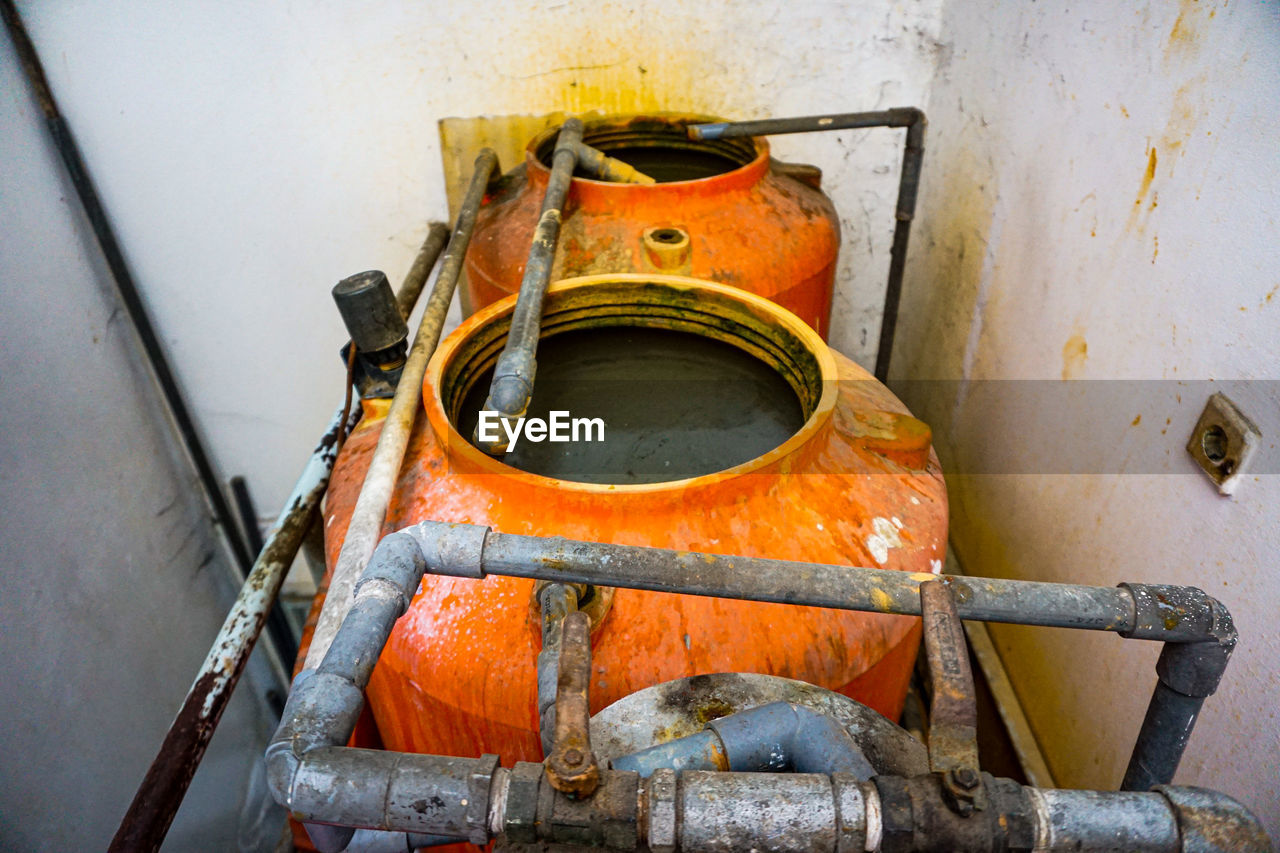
278, 627
127, 289
375, 494
556, 600
602, 166
953, 711
165, 785
513, 374
908, 187
572, 765
812, 584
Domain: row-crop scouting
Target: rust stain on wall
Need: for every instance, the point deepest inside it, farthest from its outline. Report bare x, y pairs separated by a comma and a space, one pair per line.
1074, 354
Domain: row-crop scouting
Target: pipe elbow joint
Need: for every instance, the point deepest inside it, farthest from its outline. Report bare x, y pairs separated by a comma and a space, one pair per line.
450, 549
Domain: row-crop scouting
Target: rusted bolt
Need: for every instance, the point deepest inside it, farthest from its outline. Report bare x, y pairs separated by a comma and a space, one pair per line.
967, 778
573, 757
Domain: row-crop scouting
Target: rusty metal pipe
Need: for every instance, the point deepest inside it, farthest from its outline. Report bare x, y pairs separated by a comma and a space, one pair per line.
345, 788
600, 165
556, 601
375, 493
908, 188
513, 375
571, 765
157, 799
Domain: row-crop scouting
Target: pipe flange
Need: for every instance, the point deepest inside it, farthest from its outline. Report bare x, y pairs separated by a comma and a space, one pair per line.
451, 549
479, 787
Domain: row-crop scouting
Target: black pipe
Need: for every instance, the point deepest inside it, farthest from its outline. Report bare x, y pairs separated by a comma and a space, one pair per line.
908, 186
514, 372
125, 287
278, 626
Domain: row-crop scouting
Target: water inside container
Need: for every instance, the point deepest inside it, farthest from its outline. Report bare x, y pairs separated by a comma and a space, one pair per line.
674, 405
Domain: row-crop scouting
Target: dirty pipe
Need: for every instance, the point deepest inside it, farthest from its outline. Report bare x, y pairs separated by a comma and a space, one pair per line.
147, 821
375, 493
908, 186
777, 737
556, 601
513, 374
600, 165
473, 798
1196, 628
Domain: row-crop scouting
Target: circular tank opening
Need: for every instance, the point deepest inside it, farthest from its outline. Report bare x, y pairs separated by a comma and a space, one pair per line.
673, 405
660, 148
685, 383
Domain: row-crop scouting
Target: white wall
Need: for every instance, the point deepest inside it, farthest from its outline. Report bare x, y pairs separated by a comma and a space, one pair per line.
252, 154
1046, 252
114, 583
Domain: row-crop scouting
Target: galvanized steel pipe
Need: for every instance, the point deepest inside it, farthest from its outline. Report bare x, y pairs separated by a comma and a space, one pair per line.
384, 468
513, 374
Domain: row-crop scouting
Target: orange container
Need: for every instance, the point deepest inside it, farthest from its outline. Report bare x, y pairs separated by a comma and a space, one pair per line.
857, 484
723, 210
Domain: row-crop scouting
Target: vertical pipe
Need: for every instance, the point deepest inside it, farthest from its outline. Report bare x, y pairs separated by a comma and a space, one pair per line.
278, 627
1166, 728
513, 374
370, 511
908, 187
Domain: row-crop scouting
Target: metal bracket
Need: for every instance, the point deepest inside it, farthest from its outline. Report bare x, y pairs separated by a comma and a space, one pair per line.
572, 767
953, 715
1223, 442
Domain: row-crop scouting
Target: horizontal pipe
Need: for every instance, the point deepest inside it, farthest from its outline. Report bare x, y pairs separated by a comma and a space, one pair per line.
896, 117
811, 584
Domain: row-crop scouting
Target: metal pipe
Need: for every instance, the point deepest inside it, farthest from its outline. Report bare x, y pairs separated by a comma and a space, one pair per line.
556, 600
157, 799
896, 117
812, 584
908, 188
606, 168
384, 468
778, 736
459, 797
513, 374
1188, 673
281, 632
